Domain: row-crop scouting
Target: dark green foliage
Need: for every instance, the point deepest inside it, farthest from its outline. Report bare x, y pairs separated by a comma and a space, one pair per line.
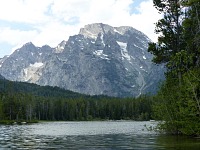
24, 101
48, 91
169, 27
178, 101
179, 105
191, 26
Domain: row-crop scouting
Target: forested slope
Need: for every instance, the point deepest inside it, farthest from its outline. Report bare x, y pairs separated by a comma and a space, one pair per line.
23, 101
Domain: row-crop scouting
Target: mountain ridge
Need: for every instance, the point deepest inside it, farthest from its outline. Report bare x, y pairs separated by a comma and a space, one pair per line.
101, 59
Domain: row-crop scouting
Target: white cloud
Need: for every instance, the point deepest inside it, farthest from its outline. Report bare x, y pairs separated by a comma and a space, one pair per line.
144, 21
15, 37
66, 9
25, 11
55, 20
53, 33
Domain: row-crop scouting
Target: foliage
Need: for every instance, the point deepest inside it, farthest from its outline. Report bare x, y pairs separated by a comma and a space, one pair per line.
28, 102
169, 27
178, 102
180, 109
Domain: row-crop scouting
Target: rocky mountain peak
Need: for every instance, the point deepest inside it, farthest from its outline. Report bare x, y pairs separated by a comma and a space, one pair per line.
92, 30
124, 29
101, 59
29, 44
60, 47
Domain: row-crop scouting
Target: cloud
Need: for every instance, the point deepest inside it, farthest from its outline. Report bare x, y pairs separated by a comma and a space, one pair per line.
52, 21
25, 11
15, 37
53, 33
111, 13
146, 18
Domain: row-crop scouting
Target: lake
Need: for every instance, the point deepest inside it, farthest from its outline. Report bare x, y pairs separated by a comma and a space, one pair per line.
106, 135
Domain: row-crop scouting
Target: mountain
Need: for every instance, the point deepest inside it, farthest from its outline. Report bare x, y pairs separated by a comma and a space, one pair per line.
100, 60
24, 62
1, 77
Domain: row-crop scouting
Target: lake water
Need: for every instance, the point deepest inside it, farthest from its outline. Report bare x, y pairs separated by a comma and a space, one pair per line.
106, 135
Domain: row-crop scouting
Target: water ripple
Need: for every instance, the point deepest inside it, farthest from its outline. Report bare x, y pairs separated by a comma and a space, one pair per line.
108, 135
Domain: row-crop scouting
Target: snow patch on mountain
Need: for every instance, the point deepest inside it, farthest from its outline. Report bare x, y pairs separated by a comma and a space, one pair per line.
31, 72
138, 47
124, 51
101, 54
144, 57
60, 47
115, 30
102, 40
36, 65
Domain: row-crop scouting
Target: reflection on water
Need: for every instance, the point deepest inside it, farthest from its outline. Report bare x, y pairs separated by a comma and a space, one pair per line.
90, 135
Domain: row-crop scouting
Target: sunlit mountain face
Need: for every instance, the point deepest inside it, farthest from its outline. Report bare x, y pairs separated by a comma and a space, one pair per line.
101, 59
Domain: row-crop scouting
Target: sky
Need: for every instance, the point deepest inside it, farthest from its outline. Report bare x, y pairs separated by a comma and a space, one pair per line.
48, 22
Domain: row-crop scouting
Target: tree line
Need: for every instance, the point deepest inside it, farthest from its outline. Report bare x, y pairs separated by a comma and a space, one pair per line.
19, 103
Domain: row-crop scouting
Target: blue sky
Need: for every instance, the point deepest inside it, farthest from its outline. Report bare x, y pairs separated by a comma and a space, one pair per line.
51, 21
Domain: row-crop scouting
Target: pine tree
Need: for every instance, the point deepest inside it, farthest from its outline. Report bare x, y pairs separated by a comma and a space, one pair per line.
170, 40
191, 27
178, 101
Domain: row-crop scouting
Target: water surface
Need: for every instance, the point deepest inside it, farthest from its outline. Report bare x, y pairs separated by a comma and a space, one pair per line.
107, 135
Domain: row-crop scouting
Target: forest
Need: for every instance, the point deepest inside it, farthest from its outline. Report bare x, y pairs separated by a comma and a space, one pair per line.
29, 102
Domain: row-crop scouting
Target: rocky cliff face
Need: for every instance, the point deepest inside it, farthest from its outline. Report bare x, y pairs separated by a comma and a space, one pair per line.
24, 62
101, 59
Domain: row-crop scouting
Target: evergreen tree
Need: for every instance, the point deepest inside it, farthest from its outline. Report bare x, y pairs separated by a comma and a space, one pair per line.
191, 27
178, 101
169, 27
